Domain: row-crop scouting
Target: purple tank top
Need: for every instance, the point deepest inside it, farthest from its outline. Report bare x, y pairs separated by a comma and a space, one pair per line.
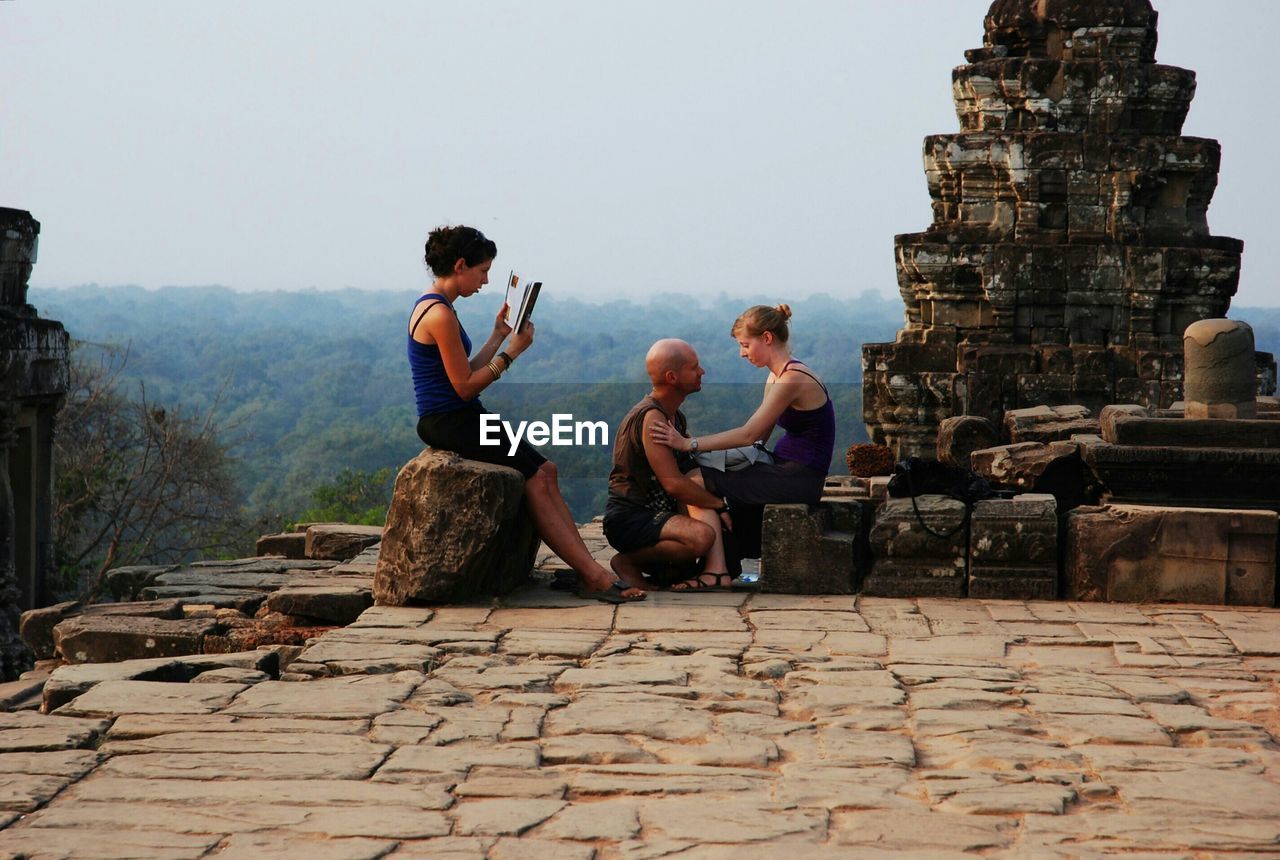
810, 434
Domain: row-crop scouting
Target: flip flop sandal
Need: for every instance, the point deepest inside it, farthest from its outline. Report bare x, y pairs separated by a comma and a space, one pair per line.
724, 582
613, 595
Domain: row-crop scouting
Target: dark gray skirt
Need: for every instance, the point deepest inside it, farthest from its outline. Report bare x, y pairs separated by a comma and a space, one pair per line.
766, 484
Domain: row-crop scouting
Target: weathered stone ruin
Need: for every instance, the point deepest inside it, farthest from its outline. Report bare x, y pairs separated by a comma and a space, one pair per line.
1069, 248
33, 383
456, 530
812, 549
1069, 267
1149, 553
1161, 504
215, 607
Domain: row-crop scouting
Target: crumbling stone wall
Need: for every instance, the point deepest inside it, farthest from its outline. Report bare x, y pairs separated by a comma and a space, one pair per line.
1070, 247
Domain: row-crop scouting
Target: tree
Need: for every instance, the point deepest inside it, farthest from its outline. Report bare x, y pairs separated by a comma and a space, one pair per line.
135, 482
355, 497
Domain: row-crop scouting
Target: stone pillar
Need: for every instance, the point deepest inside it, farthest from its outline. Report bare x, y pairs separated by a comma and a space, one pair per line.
1221, 370
19, 239
34, 378
13, 654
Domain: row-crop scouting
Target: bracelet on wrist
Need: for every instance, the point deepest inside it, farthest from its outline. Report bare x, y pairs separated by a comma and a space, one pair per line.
508, 359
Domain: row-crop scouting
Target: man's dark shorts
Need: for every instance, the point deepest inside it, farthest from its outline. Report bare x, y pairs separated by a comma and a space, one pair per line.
630, 527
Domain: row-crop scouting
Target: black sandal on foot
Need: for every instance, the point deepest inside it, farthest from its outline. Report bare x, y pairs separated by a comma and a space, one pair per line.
613, 595
724, 582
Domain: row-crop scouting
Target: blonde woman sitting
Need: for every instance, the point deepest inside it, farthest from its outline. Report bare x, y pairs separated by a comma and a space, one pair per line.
795, 400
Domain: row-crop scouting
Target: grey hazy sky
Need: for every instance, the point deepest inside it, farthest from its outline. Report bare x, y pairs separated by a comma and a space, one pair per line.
613, 148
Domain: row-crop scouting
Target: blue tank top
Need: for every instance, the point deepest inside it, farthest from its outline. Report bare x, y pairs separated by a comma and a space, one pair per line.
431, 386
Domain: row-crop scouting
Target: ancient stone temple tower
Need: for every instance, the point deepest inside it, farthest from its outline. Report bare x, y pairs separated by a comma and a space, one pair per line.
1069, 247
33, 382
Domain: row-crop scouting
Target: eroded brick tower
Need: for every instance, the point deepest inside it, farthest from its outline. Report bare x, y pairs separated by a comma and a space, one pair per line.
1069, 247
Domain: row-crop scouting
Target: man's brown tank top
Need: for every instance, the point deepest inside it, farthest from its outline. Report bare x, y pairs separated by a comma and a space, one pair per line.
632, 480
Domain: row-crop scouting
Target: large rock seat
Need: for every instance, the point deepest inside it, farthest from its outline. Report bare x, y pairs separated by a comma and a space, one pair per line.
457, 531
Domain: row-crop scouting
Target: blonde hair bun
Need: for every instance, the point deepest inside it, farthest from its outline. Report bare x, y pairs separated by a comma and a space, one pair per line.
759, 319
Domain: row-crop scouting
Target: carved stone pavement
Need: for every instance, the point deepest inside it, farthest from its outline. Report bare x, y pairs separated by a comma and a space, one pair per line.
718, 725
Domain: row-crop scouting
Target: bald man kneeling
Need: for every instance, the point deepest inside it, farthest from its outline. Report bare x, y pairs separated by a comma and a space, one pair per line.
646, 518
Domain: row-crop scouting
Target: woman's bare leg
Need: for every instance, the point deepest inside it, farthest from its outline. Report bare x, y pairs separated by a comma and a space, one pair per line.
714, 562
555, 525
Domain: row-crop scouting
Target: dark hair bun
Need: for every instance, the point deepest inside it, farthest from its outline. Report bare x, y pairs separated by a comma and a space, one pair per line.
447, 245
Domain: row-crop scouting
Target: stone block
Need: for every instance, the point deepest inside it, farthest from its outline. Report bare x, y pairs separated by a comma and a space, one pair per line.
878, 487
1183, 476
1192, 432
1048, 423
1013, 548
36, 627
339, 541
38, 624
811, 549
846, 487
326, 604
1136, 553
68, 682
1114, 413
111, 638
168, 609
244, 600
918, 546
456, 531
286, 544
1021, 465
127, 583
961, 435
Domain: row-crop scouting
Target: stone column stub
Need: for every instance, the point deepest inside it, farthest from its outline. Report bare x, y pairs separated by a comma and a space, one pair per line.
1221, 370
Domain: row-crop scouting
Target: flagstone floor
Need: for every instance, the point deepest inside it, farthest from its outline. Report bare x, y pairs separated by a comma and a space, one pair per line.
731, 725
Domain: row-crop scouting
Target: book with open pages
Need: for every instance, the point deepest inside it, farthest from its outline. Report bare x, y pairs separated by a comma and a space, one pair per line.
522, 295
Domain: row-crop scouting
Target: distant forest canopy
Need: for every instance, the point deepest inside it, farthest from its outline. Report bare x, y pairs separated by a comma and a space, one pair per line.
315, 385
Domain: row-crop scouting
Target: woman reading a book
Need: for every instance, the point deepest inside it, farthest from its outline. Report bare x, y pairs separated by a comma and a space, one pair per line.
448, 379
795, 400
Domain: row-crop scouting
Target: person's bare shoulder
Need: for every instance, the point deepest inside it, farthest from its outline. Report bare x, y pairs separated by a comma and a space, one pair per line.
426, 321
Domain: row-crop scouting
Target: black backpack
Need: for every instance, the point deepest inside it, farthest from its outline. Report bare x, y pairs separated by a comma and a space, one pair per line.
916, 476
